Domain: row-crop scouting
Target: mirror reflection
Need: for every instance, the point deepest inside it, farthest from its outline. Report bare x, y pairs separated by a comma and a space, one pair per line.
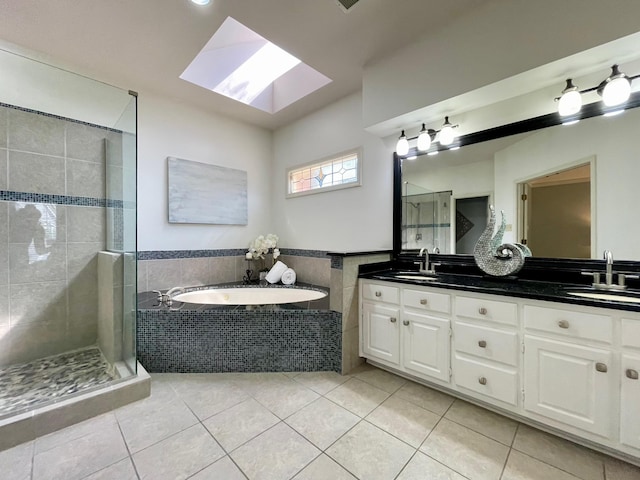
567, 191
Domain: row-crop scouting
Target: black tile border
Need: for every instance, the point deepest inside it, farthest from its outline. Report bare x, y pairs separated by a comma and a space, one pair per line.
222, 252
10, 196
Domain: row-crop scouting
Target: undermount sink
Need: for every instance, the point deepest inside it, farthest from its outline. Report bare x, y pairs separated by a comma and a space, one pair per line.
612, 296
413, 276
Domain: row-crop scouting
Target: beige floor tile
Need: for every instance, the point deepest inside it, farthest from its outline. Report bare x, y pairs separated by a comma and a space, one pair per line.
81, 456
322, 422
16, 462
381, 379
618, 470
433, 400
211, 398
223, 469
555, 451
357, 396
162, 393
254, 383
523, 467
277, 454
178, 456
163, 420
403, 419
465, 451
371, 454
73, 432
321, 382
123, 470
422, 467
284, 399
239, 424
323, 468
501, 429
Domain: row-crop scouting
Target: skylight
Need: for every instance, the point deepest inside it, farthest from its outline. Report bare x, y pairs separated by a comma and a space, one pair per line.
242, 65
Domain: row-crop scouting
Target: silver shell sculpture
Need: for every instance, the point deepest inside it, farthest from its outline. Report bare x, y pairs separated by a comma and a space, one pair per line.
494, 257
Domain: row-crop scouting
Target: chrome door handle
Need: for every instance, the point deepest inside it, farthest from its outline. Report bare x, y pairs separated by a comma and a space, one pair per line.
563, 324
482, 311
482, 381
632, 374
482, 344
405, 322
393, 319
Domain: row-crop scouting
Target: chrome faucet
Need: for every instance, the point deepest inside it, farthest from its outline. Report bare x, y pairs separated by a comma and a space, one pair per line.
608, 277
425, 266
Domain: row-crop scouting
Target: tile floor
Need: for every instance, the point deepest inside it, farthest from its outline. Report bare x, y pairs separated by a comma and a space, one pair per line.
304, 426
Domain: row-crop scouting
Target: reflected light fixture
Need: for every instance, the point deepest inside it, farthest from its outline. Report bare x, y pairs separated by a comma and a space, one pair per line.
402, 147
614, 90
201, 2
446, 133
571, 101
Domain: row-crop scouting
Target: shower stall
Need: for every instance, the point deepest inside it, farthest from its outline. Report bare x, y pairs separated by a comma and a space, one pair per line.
67, 236
426, 219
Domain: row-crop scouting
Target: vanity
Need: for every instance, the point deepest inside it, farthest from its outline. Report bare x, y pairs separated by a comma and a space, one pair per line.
525, 349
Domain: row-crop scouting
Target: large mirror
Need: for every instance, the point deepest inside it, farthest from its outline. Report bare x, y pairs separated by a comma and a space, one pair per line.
567, 191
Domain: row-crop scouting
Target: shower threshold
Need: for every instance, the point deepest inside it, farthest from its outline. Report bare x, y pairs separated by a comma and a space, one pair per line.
39, 382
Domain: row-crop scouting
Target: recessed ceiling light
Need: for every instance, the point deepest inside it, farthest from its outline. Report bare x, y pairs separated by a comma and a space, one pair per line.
201, 2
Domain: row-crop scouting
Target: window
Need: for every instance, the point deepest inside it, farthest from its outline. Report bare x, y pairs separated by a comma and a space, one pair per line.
342, 171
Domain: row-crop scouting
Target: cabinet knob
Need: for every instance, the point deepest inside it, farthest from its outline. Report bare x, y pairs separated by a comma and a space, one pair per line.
482, 344
563, 324
482, 311
378, 294
601, 367
632, 374
482, 381
423, 301
405, 322
393, 319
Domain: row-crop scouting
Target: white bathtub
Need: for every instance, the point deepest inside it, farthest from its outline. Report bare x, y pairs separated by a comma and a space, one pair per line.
249, 296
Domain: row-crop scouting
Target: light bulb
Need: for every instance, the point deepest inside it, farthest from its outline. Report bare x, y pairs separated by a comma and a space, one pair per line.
617, 88
424, 139
570, 101
402, 147
446, 133
201, 2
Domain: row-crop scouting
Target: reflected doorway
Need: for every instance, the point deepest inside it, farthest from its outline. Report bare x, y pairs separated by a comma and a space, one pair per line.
555, 212
471, 220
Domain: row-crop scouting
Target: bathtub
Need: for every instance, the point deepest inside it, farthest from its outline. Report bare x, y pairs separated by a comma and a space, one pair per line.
249, 296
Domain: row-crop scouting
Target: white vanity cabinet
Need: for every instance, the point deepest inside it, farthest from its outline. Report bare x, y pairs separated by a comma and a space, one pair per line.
569, 367
572, 368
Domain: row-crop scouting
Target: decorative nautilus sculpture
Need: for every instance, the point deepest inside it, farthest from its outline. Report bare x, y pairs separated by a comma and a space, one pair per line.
494, 257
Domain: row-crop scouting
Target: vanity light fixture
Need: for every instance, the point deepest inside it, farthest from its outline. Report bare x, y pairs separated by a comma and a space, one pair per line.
402, 147
615, 90
201, 2
445, 136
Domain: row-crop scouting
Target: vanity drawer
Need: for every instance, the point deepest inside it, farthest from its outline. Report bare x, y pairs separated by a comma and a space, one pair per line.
429, 301
630, 333
489, 310
492, 381
489, 343
581, 325
381, 293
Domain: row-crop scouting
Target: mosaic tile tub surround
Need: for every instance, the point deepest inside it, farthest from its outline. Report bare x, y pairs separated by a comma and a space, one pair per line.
265, 339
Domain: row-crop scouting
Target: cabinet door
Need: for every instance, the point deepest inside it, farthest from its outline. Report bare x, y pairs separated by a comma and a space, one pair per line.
570, 383
380, 332
426, 345
630, 400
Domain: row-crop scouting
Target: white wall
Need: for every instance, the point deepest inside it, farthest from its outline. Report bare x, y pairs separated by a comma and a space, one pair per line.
496, 40
168, 128
353, 219
615, 144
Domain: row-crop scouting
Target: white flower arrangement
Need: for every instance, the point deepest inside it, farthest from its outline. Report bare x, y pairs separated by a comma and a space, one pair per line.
261, 246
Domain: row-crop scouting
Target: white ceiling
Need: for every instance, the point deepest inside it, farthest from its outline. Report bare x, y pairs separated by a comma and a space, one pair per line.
145, 45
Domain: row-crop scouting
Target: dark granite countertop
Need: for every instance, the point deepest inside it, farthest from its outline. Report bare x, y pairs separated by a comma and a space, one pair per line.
149, 300
510, 287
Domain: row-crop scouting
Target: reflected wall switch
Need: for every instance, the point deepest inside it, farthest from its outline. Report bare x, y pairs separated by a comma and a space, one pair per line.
509, 227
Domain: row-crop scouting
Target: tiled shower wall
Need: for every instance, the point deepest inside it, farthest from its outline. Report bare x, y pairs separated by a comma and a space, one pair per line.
52, 185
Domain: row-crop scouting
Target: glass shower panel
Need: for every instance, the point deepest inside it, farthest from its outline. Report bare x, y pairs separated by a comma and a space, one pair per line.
426, 219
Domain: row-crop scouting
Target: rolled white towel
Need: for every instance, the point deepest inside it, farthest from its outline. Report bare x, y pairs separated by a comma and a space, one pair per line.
289, 276
275, 274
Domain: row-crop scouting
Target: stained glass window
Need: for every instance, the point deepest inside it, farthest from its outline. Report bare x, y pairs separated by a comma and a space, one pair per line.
332, 173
